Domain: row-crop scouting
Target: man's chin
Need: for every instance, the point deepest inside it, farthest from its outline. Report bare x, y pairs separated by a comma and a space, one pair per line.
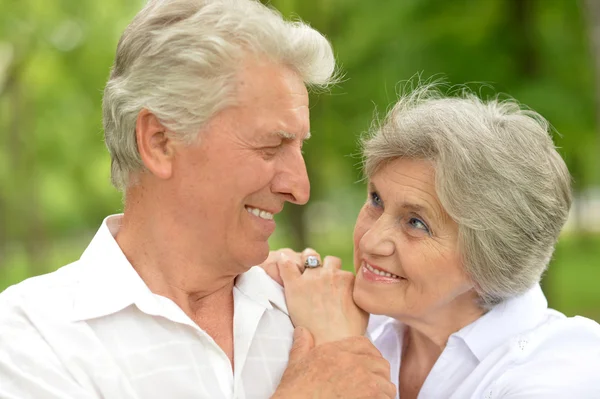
258, 255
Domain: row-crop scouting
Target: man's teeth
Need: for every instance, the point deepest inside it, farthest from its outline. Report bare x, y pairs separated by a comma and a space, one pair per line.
380, 272
260, 213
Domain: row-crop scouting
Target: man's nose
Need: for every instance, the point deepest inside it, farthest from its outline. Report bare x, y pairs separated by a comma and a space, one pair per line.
292, 179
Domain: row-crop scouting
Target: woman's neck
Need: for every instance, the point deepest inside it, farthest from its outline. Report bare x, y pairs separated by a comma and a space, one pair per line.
429, 333
425, 339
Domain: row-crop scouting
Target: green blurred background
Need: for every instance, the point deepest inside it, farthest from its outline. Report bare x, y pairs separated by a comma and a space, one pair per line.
55, 57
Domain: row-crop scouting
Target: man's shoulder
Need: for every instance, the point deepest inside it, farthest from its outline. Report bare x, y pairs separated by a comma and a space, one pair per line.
39, 340
258, 286
49, 294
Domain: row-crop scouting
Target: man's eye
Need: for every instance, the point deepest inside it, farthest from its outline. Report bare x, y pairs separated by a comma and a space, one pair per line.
270, 151
273, 147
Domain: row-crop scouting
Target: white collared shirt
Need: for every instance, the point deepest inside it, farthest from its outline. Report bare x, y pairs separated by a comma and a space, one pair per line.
519, 349
93, 329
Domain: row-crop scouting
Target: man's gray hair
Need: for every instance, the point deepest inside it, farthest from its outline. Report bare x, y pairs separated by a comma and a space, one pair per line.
497, 174
179, 60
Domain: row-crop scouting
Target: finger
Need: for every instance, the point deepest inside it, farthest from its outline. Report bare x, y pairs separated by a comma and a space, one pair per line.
309, 252
288, 269
272, 271
375, 365
270, 265
378, 366
387, 388
295, 256
275, 256
332, 262
359, 346
287, 255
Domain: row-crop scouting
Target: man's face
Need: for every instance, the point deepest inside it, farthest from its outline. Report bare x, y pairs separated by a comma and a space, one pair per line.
247, 163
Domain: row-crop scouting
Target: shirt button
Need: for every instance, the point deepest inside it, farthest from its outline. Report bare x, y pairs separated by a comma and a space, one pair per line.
523, 344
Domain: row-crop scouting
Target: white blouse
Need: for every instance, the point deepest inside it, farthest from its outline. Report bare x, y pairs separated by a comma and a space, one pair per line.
519, 349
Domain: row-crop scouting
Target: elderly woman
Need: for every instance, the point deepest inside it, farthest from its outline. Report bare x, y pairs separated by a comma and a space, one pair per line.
466, 200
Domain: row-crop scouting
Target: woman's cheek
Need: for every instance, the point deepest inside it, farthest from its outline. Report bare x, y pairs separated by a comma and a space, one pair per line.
360, 228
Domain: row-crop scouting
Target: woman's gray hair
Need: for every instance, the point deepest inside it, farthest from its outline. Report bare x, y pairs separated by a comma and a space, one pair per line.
179, 60
497, 174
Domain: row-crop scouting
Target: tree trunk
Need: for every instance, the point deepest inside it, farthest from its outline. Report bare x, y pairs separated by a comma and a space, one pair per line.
521, 16
21, 204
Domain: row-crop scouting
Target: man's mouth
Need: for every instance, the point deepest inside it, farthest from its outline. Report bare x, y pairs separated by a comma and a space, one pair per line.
261, 213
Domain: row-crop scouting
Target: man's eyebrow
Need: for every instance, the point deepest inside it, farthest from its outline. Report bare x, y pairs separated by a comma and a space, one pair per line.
290, 136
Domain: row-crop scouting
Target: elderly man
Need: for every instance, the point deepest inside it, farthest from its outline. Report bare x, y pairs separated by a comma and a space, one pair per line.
205, 113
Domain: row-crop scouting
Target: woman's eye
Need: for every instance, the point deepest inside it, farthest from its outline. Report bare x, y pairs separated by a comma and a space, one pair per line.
418, 224
376, 200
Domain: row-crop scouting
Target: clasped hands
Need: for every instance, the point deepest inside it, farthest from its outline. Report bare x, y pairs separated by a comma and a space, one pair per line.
331, 357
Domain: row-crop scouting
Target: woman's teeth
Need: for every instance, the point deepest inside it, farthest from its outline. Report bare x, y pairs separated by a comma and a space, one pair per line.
260, 213
381, 272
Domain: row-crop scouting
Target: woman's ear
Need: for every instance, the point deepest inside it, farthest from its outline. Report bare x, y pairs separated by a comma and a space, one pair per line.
154, 145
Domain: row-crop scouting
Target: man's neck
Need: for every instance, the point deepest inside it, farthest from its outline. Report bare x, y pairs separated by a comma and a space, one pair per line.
168, 269
214, 314
203, 290
172, 261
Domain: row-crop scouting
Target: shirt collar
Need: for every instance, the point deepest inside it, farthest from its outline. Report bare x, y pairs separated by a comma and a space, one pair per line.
505, 320
108, 282
259, 287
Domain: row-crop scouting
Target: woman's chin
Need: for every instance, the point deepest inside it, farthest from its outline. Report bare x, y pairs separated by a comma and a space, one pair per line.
374, 298
365, 299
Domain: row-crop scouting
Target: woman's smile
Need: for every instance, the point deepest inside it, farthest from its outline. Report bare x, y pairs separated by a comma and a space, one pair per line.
378, 275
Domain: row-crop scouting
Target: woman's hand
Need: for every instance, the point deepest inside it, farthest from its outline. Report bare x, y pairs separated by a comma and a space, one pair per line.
318, 299
270, 265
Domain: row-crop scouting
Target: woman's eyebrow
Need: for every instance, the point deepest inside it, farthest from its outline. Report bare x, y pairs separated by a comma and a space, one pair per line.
411, 206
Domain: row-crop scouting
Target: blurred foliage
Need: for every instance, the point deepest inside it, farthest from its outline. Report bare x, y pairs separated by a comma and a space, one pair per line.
55, 57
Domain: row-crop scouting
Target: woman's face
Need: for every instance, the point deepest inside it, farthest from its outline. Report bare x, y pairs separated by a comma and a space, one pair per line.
406, 253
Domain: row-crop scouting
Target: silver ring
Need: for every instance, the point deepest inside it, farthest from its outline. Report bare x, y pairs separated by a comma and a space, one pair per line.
312, 262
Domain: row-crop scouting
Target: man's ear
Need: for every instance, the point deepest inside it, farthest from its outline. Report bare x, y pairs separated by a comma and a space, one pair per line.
154, 145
